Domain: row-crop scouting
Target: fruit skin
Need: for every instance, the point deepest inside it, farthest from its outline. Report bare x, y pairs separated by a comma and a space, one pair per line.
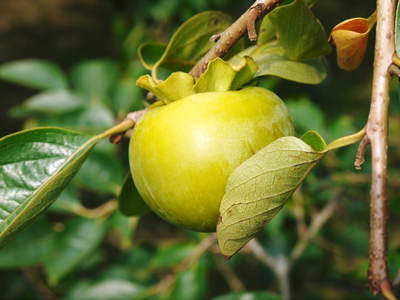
182, 154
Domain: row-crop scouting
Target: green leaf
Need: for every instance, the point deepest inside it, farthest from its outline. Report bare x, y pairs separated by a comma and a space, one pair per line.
50, 103
259, 188
95, 78
73, 246
249, 296
191, 41
29, 248
108, 289
315, 140
38, 74
130, 202
271, 60
397, 30
94, 117
299, 32
267, 32
150, 53
35, 166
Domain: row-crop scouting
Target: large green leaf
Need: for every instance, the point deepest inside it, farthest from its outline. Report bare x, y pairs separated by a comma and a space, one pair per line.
188, 44
299, 32
38, 74
53, 102
73, 246
249, 296
272, 60
35, 166
258, 189
95, 78
92, 118
291, 44
129, 200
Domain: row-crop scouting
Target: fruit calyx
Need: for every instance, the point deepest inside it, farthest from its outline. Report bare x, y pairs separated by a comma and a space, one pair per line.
220, 76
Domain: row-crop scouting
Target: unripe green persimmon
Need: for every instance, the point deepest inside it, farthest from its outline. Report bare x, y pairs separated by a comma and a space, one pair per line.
182, 154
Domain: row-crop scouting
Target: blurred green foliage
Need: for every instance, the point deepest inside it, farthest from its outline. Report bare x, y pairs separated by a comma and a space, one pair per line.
82, 248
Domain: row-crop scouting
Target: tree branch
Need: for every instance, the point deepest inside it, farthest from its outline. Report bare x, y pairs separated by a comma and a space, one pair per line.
280, 265
233, 33
376, 132
233, 281
188, 262
318, 221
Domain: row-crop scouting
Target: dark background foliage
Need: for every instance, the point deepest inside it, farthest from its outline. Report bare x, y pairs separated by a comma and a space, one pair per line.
68, 257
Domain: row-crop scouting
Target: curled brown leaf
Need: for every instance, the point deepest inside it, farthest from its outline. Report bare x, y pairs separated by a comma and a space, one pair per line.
351, 39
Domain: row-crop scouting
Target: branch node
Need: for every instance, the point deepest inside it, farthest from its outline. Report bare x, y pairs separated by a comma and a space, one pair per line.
135, 117
386, 289
394, 70
254, 13
215, 37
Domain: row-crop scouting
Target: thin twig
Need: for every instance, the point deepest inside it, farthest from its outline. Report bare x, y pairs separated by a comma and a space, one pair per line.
280, 265
394, 70
43, 291
299, 213
261, 254
101, 211
376, 131
318, 221
231, 35
233, 281
188, 262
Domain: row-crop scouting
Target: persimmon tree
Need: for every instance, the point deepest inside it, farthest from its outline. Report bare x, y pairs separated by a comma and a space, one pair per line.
209, 53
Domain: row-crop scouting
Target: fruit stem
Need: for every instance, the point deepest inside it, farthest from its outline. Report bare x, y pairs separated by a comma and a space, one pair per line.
117, 132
